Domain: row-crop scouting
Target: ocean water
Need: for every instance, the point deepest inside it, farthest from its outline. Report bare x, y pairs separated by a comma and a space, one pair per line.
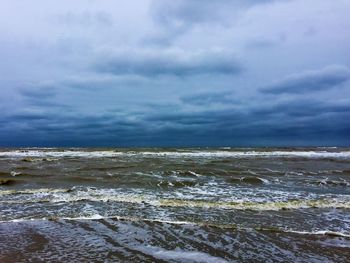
175, 205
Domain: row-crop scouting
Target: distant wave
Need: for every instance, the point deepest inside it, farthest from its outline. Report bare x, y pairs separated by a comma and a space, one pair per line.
28, 154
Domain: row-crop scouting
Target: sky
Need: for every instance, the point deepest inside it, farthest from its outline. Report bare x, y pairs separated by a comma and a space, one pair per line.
174, 73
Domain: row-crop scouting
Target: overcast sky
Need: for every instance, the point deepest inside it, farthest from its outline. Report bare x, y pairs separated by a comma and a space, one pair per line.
174, 72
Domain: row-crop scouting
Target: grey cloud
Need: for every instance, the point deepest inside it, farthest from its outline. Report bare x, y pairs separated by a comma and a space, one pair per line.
107, 87
169, 62
95, 82
64, 129
205, 99
232, 126
20, 117
40, 91
42, 95
311, 81
85, 19
294, 109
260, 43
247, 119
178, 14
247, 116
206, 118
48, 104
177, 17
185, 12
310, 32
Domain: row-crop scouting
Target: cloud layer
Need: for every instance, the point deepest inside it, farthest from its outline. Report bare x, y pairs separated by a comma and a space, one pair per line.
174, 73
168, 62
311, 81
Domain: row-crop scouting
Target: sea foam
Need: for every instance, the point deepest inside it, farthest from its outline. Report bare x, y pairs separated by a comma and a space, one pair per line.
173, 154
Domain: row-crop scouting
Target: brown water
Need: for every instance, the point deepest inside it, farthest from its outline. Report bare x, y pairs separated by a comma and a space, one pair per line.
175, 205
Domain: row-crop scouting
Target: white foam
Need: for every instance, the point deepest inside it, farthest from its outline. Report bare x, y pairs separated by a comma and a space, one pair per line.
99, 217
92, 217
182, 255
195, 174
113, 195
13, 173
34, 191
321, 232
195, 154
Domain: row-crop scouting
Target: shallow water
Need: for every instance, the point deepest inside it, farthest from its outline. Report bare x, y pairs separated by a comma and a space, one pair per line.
175, 205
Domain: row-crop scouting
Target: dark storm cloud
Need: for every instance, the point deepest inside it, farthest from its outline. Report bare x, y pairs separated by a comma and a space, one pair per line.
51, 128
206, 119
23, 117
256, 117
304, 108
304, 114
311, 81
236, 129
152, 63
205, 127
311, 109
184, 72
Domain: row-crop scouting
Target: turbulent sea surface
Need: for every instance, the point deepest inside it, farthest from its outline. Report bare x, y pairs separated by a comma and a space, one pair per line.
175, 205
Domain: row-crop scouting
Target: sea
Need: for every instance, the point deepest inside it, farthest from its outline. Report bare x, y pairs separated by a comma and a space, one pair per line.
175, 204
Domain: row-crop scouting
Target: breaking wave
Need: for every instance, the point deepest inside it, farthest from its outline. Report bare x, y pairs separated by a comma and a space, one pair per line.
30, 155
110, 195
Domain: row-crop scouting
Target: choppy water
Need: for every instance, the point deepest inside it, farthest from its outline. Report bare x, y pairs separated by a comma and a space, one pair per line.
175, 205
